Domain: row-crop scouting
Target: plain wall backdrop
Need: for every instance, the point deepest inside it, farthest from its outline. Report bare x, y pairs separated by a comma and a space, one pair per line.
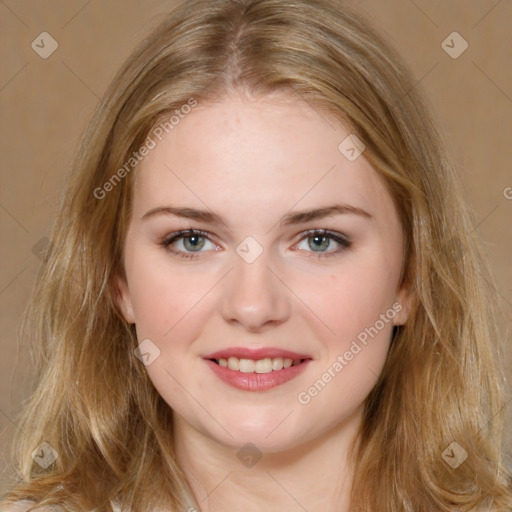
46, 103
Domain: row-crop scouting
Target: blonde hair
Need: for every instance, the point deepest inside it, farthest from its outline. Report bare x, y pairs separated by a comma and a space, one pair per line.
94, 402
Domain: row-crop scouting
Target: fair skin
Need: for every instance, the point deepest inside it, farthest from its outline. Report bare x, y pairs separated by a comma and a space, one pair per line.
252, 161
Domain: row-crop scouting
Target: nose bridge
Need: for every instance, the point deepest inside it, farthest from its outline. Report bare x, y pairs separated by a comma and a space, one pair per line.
253, 295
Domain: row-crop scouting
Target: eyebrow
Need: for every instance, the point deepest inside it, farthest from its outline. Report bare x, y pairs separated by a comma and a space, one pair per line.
289, 219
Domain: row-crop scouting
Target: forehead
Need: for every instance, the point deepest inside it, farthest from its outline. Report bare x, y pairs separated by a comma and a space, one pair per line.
261, 155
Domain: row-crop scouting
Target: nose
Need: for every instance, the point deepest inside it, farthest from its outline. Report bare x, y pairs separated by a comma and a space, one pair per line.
254, 297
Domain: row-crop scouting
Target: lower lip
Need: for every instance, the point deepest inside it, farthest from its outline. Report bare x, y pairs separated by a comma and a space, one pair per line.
257, 381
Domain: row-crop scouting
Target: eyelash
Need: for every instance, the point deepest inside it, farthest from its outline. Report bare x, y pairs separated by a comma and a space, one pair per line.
344, 242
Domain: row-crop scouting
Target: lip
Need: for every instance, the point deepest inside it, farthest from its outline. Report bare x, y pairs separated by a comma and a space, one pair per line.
256, 353
256, 381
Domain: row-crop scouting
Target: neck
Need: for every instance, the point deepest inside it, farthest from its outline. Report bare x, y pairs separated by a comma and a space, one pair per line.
312, 473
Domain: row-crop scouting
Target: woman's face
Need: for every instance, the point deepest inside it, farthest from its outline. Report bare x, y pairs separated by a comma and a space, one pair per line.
254, 177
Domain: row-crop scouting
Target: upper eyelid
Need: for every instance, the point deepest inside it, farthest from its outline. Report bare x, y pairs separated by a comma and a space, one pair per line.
179, 235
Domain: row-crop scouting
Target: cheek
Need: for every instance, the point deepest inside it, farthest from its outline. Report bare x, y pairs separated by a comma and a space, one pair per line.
165, 298
353, 299
351, 304
169, 309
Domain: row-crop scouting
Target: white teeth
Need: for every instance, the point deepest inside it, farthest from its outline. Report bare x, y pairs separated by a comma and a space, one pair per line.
234, 363
277, 363
263, 365
246, 365
266, 365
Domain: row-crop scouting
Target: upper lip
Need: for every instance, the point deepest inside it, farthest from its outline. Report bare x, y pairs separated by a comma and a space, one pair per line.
255, 353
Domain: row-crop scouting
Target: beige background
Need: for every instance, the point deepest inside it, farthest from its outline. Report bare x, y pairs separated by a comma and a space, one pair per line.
46, 103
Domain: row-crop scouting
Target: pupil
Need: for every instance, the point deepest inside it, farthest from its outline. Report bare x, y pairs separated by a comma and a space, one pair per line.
193, 241
317, 238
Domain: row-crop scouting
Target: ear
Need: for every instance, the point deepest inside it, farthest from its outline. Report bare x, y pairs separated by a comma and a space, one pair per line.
402, 305
123, 299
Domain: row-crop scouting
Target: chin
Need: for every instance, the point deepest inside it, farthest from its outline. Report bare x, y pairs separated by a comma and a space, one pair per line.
257, 442
268, 438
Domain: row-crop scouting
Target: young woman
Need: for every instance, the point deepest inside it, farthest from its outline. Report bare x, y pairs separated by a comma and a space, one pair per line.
263, 293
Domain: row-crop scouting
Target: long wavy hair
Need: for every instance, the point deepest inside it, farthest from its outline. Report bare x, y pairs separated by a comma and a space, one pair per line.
442, 383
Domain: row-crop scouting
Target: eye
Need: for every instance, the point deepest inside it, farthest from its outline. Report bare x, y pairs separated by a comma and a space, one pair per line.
191, 240
319, 240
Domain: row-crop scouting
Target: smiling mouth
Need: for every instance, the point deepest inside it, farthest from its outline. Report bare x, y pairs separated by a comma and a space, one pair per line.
266, 365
